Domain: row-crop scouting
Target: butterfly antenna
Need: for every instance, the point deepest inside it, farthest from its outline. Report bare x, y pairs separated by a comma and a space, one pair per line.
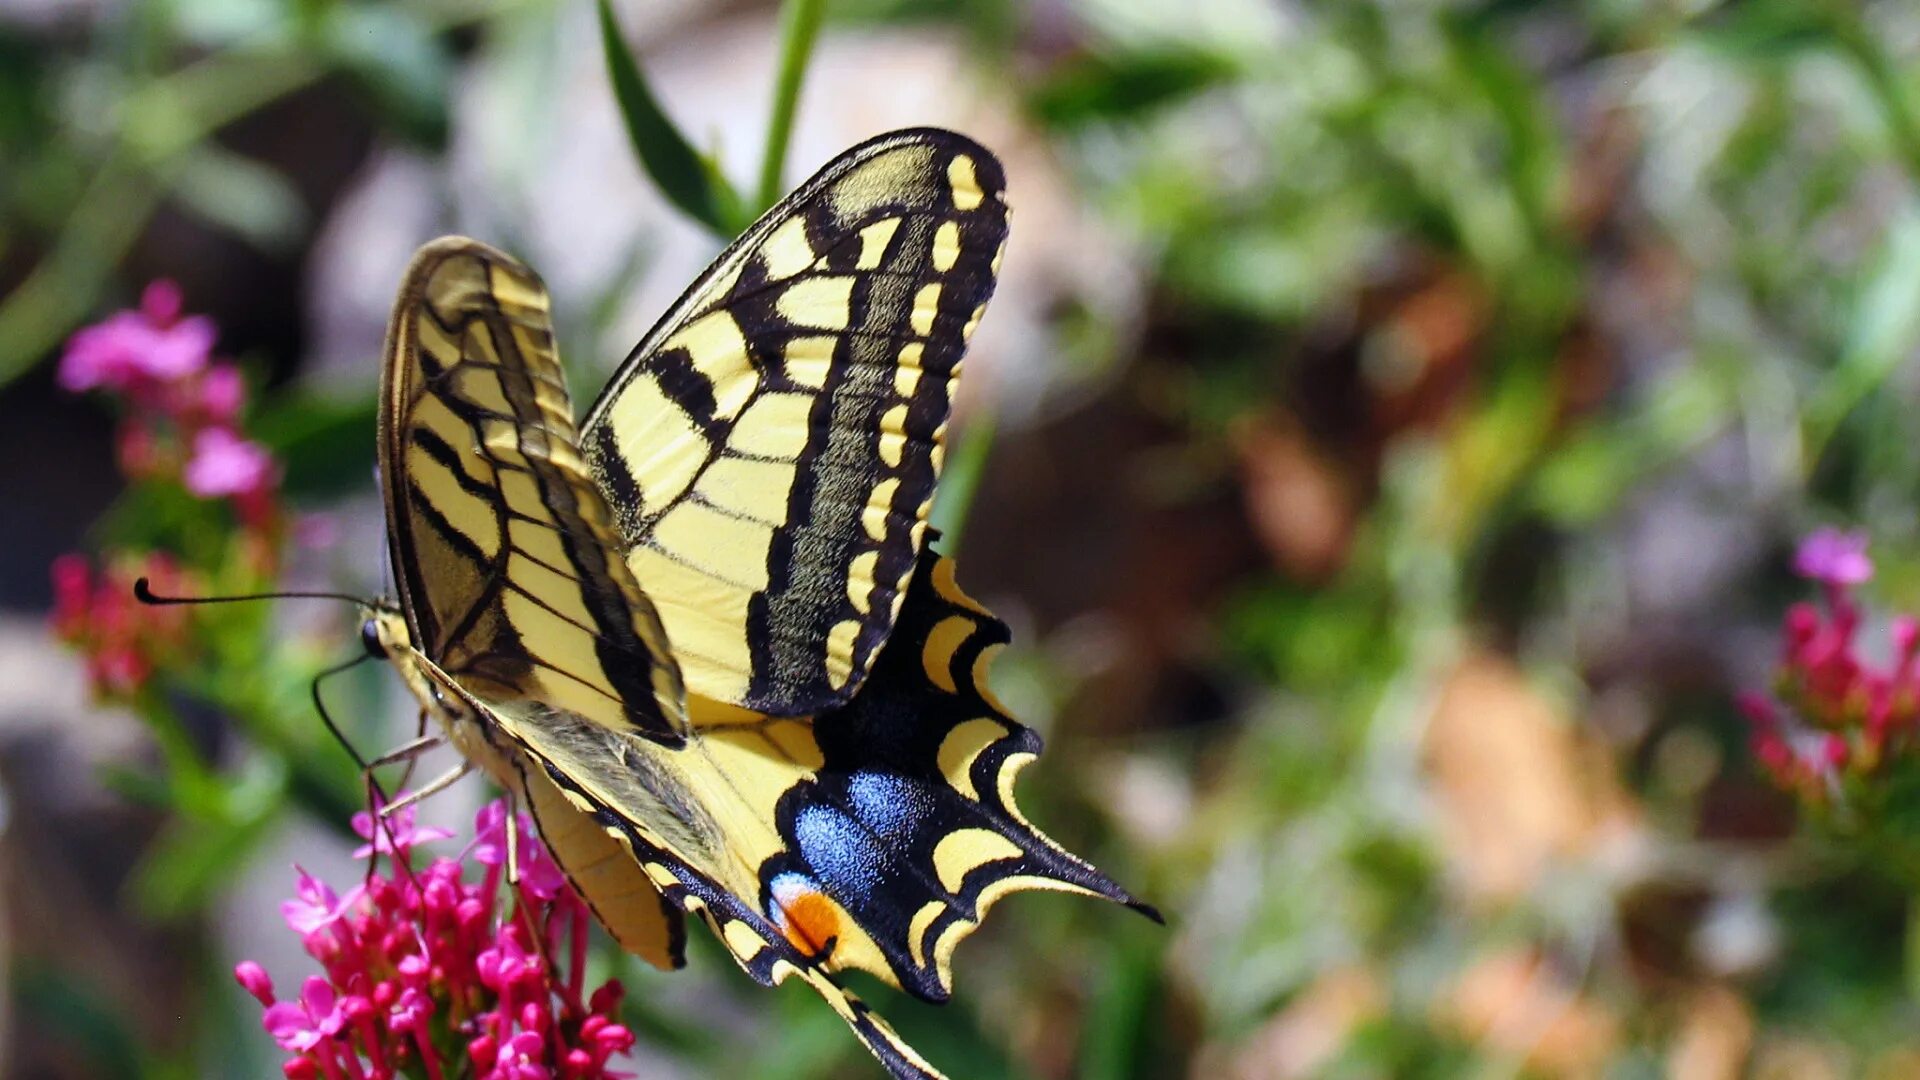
143, 592
320, 704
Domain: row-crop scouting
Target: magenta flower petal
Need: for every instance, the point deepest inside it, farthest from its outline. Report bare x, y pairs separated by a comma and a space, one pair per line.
222, 391
162, 301
315, 906
1834, 557
225, 464
254, 980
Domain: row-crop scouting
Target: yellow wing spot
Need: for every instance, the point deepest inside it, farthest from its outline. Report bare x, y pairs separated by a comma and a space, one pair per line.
999, 254
556, 590
893, 434
917, 929
961, 851
840, 647
468, 514
433, 341
719, 351
946, 639
926, 304
1009, 772
873, 243
659, 441
906, 372
432, 413
538, 542
709, 540
481, 386
938, 455
964, 181
742, 941
786, 251
749, 487
962, 746
946, 246
860, 579
522, 494
874, 518
775, 425
821, 303
809, 358
518, 297
973, 323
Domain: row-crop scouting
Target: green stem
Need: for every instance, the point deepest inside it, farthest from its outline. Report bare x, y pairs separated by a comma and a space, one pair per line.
1883, 81
799, 27
968, 462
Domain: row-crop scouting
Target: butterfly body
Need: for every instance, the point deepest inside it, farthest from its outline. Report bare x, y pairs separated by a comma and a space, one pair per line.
700, 636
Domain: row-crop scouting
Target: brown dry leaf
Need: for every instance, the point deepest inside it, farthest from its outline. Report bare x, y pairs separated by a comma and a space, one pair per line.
1305, 1035
1715, 1038
1517, 784
1518, 1005
1800, 1059
1422, 361
1299, 504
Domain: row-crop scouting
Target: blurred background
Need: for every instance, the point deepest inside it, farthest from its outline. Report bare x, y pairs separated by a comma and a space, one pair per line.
1389, 443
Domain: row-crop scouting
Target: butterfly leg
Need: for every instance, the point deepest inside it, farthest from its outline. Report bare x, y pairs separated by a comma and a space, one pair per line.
513, 840
406, 751
432, 787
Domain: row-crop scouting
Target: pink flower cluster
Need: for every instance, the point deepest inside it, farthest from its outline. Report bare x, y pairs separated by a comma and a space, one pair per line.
1833, 713
184, 405
124, 641
179, 428
424, 974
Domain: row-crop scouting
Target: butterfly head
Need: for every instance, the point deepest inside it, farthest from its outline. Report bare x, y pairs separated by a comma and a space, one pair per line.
384, 634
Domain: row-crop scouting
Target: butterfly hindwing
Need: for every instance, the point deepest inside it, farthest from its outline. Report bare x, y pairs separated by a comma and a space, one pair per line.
606, 873
771, 447
508, 564
873, 837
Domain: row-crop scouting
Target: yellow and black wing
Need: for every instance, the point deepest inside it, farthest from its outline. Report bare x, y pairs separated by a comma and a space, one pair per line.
872, 837
770, 448
504, 552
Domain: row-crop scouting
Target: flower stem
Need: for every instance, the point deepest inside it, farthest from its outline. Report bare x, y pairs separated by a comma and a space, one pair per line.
799, 26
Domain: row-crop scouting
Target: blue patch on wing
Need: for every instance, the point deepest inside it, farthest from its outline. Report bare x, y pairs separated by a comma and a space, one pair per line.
891, 806
856, 844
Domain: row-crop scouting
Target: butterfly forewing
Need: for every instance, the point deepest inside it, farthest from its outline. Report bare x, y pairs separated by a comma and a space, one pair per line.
508, 564
771, 446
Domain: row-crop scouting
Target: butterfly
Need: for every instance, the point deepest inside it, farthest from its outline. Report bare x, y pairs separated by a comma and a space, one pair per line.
702, 636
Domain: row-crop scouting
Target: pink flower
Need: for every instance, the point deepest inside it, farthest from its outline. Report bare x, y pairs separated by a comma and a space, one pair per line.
1833, 557
302, 1025
131, 348
222, 391
539, 874
253, 979
225, 464
314, 906
397, 833
428, 973
1835, 713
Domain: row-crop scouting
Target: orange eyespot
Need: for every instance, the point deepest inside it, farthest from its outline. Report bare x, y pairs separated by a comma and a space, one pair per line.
807, 918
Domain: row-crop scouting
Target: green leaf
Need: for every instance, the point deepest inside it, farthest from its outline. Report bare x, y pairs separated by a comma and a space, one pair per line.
1883, 327
78, 1017
325, 446
1110, 87
241, 196
399, 60
688, 180
799, 27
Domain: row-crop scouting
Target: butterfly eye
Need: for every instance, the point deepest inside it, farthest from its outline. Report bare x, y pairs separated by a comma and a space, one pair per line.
370, 640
